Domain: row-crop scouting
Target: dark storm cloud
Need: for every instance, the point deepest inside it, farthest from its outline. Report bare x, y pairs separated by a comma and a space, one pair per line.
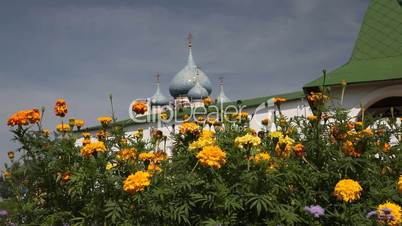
84, 50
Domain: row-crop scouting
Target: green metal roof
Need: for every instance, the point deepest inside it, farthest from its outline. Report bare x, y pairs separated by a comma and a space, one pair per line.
247, 102
377, 55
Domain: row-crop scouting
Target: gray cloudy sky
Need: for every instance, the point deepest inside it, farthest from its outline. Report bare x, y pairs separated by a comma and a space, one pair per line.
82, 50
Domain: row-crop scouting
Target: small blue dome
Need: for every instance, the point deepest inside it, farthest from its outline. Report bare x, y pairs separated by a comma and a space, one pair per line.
197, 92
222, 98
183, 81
158, 99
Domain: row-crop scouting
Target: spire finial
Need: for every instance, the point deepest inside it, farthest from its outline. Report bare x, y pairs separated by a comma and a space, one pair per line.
221, 80
158, 78
189, 39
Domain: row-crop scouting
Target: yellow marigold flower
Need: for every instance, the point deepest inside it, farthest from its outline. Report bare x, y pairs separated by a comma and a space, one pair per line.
312, 118
211, 121
299, 149
91, 148
140, 107
189, 128
164, 116
348, 190
247, 140
208, 101
60, 108
126, 154
202, 142
263, 156
392, 209
276, 134
79, 123
212, 156
24, 117
63, 127
110, 165
10, 155
367, 132
86, 135
104, 120
138, 134
137, 182
146, 156
358, 124
207, 134
400, 184
242, 116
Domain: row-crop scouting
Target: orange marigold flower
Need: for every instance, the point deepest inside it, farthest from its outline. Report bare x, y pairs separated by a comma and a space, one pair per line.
189, 128
212, 156
299, 149
317, 98
24, 117
348, 190
154, 167
265, 121
387, 147
33, 115
350, 150
208, 101
104, 120
279, 100
92, 148
146, 156
63, 128
160, 156
137, 182
312, 118
10, 155
7, 174
86, 142
101, 135
140, 107
60, 108
126, 154
66, 177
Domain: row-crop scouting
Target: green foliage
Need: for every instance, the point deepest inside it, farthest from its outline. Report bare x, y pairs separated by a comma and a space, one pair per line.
241, 192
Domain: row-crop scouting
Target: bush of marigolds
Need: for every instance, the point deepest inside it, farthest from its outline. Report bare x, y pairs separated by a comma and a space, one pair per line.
324, 169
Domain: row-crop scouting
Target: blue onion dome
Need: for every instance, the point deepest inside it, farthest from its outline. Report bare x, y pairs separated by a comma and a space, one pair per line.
158, 99
222, 98
183, 81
